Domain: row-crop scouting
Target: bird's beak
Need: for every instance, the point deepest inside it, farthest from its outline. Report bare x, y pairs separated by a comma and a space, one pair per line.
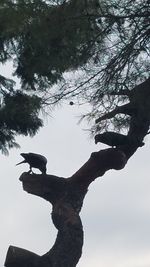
21, 162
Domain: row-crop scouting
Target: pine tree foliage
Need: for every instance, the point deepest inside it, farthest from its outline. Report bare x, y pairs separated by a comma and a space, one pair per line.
102, 45
18, 115
45, 40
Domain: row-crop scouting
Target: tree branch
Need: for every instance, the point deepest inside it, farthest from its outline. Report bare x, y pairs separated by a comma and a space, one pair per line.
66, 197
139, 110
124, 109
19, 257
67, 194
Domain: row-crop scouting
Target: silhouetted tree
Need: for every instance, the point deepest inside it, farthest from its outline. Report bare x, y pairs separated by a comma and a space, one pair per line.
67, 194
87, 51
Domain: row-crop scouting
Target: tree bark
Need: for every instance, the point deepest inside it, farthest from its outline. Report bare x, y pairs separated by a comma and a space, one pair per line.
67, 194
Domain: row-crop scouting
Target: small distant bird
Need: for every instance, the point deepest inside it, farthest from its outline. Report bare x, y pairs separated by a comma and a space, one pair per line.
116, 139
35, 161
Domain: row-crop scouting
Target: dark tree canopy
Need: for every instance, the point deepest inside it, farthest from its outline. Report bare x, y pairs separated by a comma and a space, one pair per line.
86, 51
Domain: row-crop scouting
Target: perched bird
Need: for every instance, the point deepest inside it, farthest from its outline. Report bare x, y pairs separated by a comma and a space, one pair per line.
35, 161
116, 139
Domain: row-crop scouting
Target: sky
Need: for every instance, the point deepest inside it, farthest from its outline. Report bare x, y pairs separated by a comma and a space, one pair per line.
116, 210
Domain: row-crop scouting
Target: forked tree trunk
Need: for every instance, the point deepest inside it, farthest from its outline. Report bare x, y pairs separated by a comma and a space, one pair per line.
67, 194
66, 197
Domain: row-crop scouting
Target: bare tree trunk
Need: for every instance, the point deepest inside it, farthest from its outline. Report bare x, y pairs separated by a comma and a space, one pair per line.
67, 194
66, 197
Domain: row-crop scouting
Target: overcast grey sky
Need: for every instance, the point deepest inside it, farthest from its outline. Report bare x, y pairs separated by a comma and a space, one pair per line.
116, 210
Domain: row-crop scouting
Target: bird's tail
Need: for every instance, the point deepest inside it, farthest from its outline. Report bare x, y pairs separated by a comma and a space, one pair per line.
21, 162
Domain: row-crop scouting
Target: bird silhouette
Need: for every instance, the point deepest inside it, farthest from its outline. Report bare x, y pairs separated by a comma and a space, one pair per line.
116, 139
35, 161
